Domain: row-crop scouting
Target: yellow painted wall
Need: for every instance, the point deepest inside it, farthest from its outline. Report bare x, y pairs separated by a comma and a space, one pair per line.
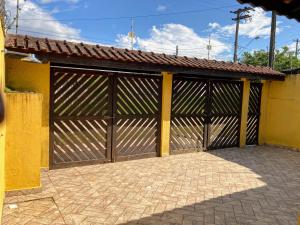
33, 77
281, 113
23, 140
166, 113
2, 125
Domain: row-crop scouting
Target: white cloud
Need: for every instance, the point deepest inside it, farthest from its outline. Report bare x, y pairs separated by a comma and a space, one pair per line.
259, 25
37, 27
292, 47
214, 25
164, 40
161, 8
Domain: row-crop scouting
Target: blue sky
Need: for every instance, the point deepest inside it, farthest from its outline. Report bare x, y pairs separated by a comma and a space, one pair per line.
187, 24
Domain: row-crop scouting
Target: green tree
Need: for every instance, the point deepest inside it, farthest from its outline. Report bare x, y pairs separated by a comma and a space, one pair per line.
284, 59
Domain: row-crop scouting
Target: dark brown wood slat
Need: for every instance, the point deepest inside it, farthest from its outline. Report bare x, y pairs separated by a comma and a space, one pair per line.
138, 94
96, 104
220, 101
99, 150
131, 97
230, 131
150, 105
137, 119
79, 139
253, 114
72, 94
67, 143
225, 98
85, 97
68, 81
72, 141
181, 96
142, 138
151, 90
181, 100
191, 104
188, 105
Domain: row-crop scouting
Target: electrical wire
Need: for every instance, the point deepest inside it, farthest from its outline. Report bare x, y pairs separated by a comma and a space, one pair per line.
130, 17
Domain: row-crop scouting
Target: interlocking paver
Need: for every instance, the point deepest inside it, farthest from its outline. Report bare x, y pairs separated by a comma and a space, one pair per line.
252, 186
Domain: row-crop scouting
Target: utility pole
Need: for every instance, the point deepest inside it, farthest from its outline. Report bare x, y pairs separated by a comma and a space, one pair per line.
17, 16
208, 48
272, 40
176, 53
297, 44
241, 14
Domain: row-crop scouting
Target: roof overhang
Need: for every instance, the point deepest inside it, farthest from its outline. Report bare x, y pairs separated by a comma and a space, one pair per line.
289, 8
144, 67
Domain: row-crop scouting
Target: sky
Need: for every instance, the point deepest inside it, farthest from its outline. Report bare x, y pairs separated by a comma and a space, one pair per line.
158, 25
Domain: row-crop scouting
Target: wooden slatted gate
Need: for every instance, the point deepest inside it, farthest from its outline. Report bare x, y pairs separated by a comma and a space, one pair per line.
253, 114
137, 116
189, 99
205, 114
99, 116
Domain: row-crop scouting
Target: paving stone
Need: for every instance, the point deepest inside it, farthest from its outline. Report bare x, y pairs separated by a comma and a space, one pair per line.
252, 186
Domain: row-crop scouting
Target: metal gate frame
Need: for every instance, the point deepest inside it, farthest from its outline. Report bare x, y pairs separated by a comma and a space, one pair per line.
111, 116
207, 115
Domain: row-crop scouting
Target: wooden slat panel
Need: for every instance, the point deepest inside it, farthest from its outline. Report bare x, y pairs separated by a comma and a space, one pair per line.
79, 103
137, 96
137, 116
224, 132
189, 98
224, 114
253, 114
187, 133
80, 94
79, 141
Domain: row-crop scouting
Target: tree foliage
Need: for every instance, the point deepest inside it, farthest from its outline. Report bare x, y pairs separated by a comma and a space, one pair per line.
284, 59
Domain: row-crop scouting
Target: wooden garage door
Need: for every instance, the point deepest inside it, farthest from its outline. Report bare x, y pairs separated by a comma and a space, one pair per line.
205, 114
100, 116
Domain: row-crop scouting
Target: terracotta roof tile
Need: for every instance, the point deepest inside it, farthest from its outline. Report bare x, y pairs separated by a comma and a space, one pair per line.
59, 47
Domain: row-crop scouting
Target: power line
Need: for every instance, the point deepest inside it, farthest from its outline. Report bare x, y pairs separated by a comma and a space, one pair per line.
248, 44
129, 17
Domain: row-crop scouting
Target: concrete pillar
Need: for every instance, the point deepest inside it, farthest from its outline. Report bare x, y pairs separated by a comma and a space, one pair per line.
166, 113
244, 113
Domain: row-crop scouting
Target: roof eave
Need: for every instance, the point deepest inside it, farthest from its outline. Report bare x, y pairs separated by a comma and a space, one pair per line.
134, 66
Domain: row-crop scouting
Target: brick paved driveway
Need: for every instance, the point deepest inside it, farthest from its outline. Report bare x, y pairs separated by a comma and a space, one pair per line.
259, 185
